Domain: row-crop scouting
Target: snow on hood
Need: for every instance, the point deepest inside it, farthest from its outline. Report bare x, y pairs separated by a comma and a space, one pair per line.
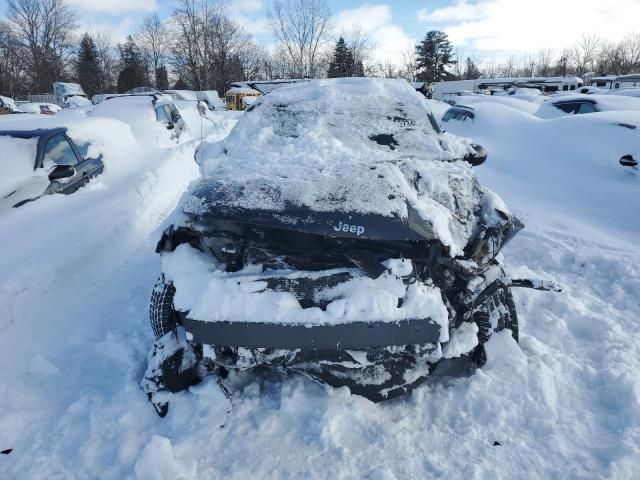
346, 145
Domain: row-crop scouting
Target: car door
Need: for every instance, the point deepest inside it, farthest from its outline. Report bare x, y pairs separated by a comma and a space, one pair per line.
88, 166
59, 151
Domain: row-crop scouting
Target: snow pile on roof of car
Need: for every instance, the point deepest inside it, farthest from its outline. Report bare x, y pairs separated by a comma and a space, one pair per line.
345, 145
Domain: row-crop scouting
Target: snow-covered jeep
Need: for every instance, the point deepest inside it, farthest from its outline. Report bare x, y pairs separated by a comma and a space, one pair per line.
338, 233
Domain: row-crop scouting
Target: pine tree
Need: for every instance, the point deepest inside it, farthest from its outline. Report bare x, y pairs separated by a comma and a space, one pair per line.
133, 73
433, 56
162, 78
342, 63
471, 70
88, 66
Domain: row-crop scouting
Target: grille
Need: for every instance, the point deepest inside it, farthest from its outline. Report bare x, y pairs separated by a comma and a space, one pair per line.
310, 292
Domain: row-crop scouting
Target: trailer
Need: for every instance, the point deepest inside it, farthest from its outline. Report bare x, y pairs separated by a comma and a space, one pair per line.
442, 90
614, 82
64, 95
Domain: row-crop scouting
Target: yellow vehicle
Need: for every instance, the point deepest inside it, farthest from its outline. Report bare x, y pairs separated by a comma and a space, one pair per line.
235, 97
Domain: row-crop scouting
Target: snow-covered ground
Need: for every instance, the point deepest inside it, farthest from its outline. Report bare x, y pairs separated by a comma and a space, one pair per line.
75, 278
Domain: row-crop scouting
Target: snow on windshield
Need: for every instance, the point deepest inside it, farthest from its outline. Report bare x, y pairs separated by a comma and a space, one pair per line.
17, 159
346, 145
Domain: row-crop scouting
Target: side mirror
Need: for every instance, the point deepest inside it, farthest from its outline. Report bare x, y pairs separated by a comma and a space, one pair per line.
477, 157
62, 171
170, 126
629, 161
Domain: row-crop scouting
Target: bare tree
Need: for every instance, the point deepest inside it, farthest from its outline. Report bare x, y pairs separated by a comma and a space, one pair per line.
232, 52
44, 28
408, 63
584, 53
361, 46
154, 41
12, 74
545, 60
301, 26
191, 22
108, 62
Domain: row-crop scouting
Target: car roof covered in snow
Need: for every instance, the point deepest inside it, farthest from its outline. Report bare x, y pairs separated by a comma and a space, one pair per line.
127, 108
351, 145
31, 133
604, 102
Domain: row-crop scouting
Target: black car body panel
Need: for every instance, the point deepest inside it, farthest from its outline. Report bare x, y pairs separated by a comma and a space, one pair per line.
213, 204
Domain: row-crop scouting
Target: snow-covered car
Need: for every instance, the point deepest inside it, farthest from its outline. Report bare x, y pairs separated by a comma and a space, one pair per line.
77, 101
625, 92
338, 233
510, 101
41, 108
212, 99
575, 104
607, 140
7, 105
154, 118
40, 162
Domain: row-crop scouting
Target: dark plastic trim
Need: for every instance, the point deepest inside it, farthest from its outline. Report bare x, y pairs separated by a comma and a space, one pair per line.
343, 336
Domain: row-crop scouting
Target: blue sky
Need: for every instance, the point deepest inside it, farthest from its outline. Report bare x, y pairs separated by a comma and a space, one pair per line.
489, 29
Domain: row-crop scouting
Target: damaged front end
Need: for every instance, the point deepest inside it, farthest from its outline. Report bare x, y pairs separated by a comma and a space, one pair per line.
463, 300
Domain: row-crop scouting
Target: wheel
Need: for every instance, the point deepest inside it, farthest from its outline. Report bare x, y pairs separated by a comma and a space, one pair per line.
495, 311
162, 316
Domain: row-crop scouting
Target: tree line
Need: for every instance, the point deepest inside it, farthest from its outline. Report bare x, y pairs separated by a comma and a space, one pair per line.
200, 47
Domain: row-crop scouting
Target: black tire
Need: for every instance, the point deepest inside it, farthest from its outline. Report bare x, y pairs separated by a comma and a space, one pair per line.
499, 302
162, 316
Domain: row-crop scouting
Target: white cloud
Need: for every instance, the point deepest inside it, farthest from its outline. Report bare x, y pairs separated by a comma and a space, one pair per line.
114, 6
524, 26
245, 5
117, 31
253, 25
376, 21
458, 12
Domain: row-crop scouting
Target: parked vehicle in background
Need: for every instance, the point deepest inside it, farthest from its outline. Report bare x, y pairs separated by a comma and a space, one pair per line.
65, 95
7, 105
234, 97
182, 94
615, 82
625, 92
496, 85
153, 117
41, 162
39, 108
101, 97
212, 99
581, 104
604, 141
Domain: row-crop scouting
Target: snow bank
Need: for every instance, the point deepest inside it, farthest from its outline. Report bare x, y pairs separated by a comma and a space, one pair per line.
347, 145
17, 161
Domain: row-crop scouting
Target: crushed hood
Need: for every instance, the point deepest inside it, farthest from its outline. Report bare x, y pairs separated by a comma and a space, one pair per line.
342, 150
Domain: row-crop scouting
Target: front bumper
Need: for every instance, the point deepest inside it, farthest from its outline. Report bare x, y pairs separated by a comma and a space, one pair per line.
342, 336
